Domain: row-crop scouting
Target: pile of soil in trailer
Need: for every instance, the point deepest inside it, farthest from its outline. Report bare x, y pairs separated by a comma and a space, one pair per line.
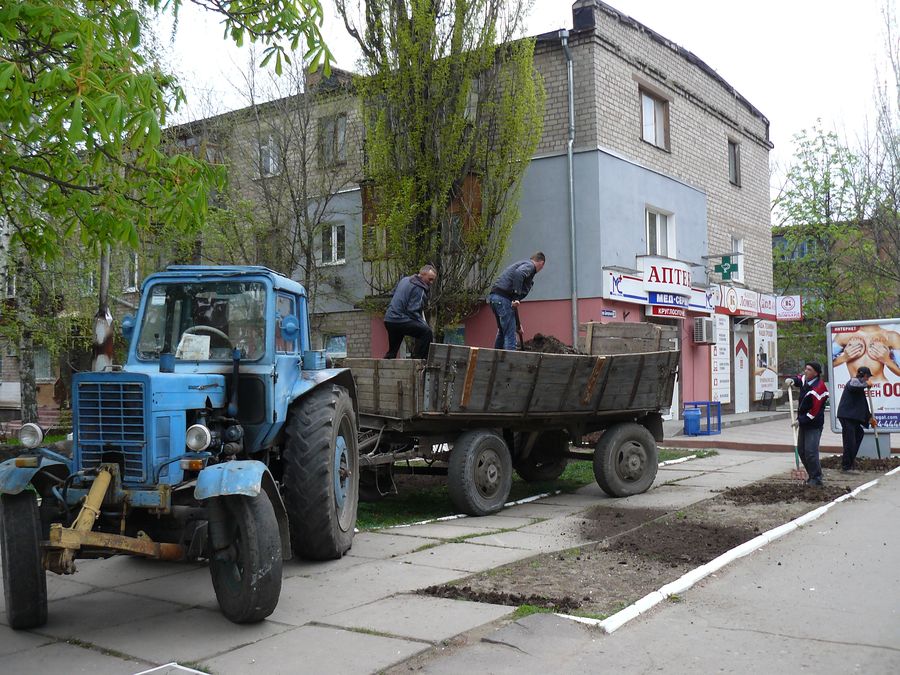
548, 344
629, 552
864, 463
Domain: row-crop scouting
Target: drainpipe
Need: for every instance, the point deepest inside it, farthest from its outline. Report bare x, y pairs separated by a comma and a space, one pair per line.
570, 144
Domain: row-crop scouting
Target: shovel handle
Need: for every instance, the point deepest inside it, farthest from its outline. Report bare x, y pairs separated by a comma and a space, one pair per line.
793, 427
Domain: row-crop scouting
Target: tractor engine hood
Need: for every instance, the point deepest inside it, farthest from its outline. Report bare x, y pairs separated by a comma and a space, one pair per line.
168, 391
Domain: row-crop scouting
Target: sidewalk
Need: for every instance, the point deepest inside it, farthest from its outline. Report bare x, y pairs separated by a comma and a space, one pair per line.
822, 599
359, 614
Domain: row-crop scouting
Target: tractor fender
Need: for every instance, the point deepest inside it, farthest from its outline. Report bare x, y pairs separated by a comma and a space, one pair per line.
248, 478
311, 380
14, 479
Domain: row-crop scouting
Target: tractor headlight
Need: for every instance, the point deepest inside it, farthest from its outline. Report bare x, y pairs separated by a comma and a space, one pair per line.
31, 435
198, 438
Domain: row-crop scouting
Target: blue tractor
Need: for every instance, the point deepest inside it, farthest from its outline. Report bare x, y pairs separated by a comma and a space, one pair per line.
223, 437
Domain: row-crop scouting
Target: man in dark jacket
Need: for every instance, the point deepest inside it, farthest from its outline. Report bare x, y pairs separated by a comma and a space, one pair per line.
511, 286
810, 418
854, 414
406, 313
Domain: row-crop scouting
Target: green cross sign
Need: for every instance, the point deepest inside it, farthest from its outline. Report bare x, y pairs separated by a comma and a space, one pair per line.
726, 268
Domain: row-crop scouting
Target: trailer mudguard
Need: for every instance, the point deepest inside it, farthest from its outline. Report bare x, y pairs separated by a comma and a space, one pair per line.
14, 479
248, 478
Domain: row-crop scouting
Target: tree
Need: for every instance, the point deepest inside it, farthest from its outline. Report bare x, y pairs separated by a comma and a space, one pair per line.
453, 111
82, 107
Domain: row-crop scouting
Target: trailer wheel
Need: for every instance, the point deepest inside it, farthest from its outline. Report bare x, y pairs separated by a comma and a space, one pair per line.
480, 473
625, 460
245, 556
547, 459
321, 476
24, 579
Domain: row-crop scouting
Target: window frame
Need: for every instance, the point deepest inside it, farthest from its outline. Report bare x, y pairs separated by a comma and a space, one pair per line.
329, 336
333, 139
737, 246
331, 230
267, 149
669, 227
660, 105
40, 354
734, 162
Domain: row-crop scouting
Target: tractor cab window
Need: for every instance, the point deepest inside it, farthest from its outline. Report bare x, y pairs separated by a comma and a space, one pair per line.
284, 306
204, 321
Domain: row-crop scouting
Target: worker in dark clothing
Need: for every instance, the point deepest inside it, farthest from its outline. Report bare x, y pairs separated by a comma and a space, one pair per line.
511, 286
406, 313
810, 418
854, 414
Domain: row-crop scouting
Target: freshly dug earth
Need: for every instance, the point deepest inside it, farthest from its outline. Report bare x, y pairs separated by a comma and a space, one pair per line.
863, 463
548, 345
635, 551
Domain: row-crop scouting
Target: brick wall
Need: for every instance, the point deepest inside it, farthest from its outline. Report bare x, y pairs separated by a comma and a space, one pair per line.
356, 325
610, 64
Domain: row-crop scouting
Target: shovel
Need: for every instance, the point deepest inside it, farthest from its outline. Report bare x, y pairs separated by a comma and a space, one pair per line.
796, 473
520, 334
874, 427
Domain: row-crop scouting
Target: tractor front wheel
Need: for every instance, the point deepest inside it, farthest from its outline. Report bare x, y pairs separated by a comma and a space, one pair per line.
245, 556
24, 579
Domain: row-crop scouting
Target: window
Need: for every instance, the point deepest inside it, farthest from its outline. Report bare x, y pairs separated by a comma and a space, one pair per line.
660, 236
10, 281
654, 120
336, 346
284, 305
268, 157
129, 274
333, 139
734, 162
333, 246
737, 246
42, 369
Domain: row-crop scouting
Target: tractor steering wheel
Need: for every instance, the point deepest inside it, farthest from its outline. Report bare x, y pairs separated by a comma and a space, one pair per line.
210, 329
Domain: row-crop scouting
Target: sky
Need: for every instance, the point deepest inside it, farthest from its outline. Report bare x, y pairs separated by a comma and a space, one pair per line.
797, 61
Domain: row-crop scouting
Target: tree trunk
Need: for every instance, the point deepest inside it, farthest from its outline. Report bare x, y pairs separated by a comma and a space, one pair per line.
27, 384
102, 352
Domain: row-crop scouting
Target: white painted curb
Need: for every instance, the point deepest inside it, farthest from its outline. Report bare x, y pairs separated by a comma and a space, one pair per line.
619, 619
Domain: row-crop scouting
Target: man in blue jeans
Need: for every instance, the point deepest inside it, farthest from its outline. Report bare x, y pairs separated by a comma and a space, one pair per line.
511, 286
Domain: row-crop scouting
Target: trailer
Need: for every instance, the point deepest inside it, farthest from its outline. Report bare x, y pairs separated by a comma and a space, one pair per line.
476, 414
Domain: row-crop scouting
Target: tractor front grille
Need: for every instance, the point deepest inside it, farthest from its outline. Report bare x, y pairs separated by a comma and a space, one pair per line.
110, 427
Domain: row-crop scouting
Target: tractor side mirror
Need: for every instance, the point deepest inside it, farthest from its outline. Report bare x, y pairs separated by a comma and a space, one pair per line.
128, 327
290, 328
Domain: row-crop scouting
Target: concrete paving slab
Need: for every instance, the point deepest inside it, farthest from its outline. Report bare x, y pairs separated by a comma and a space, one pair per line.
420, 617
80, 616
575, 501
570, 525
12, 641
191, 588
60, 657
124, 569
305, 599
539, 509
715, 481
533, 542
299, 567
440, 530
499, 521
667, 497
57, 587
316, 649
465, 557
188, 636
383, 544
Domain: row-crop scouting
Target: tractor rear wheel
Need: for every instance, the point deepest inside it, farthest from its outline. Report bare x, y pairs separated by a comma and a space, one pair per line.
24, 578
246, 564
321, 473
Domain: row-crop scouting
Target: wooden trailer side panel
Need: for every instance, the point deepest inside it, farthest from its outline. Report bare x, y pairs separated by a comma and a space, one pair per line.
388, 387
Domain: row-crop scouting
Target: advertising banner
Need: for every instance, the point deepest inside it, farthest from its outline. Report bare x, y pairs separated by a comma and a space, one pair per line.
765, 337
790, 308
873, 343
720, 355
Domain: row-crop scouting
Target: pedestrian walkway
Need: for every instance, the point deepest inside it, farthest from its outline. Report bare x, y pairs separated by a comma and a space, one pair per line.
821, 600
355, 615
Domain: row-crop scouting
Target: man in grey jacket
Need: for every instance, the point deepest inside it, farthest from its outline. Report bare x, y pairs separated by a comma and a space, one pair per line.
513, 284
406, 313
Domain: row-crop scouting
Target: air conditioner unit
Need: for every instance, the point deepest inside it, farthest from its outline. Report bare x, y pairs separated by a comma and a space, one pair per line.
704, 331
